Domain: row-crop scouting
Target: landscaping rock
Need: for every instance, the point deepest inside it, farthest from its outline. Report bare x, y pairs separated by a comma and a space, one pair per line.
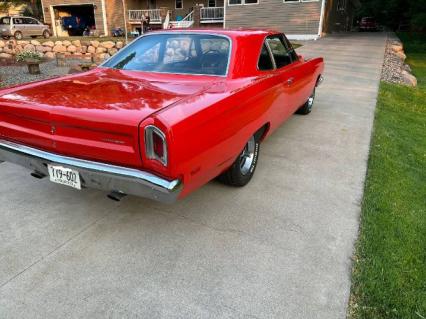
104, 56
91, 49
119, 44
71, 48
94, 43
83, 49
66, 43
49, 55
101, 50
8, 50
2, 44
19, 49
47, 49
22, 42
107, 44
76, 43
58, 43
408, 79
112, 51
35, 42
29, 47
59, 48
5, 56
49, 44
75, 69
407, 68
39, 48
85, 43
401, 55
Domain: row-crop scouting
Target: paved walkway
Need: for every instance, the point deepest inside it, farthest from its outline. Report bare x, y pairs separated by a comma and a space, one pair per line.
279, 248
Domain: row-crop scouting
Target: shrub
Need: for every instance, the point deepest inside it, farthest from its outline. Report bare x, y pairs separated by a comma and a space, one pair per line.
28, 55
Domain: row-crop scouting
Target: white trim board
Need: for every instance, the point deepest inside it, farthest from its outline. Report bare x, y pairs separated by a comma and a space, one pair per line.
302, 36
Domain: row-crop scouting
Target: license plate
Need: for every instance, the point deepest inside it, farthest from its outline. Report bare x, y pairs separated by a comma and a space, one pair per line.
64, 176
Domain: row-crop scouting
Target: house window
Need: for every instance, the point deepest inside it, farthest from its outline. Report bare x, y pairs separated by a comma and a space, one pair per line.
297, 1
242, 2
178, 4
211, 3
341, 5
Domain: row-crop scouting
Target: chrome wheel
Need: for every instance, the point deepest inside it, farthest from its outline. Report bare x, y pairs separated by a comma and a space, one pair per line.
18, 35
247, 156
311, 101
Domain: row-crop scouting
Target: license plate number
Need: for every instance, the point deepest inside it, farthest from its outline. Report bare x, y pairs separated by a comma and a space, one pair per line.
64, 176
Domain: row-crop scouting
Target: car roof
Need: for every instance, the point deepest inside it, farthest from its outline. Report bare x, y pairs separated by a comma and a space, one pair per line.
233, 33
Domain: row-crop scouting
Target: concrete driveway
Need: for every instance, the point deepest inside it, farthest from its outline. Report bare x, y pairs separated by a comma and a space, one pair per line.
279, 248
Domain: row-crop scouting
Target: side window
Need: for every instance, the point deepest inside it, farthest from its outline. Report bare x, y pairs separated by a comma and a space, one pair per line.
279, 51
17, 21
27, 21
265, 62
290, 49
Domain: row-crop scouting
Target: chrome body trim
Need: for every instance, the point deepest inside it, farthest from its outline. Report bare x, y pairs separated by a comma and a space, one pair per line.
95, 174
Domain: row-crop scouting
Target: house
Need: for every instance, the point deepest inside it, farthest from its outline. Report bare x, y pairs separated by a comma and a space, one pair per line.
299, 19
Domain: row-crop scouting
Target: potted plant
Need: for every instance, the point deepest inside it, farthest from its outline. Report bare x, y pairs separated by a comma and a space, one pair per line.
32, 59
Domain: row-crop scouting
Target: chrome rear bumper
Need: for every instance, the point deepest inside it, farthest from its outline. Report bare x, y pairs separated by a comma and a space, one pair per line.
95, 174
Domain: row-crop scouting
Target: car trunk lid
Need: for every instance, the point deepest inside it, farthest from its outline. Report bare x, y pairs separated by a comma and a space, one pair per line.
93, 115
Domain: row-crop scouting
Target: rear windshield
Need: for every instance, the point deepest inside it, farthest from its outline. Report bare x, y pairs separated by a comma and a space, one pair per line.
175, 53
5, 20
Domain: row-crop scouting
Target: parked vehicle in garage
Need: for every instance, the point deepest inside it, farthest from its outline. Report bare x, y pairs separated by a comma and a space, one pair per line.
162, 117
19, 27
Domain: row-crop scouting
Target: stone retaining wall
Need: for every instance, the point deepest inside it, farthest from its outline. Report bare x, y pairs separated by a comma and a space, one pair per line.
99, 50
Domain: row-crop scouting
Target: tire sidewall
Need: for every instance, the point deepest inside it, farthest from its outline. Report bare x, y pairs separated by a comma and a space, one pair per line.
237, 175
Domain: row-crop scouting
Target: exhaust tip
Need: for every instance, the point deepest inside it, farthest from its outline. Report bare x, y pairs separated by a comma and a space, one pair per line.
38, 175
116, 196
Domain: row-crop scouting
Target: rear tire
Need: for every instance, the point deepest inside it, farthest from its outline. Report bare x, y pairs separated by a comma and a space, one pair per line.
242, 170
18, 35
46, 34
307, 107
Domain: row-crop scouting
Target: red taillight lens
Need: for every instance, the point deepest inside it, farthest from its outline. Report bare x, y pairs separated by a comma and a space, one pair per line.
155, 144
158, 145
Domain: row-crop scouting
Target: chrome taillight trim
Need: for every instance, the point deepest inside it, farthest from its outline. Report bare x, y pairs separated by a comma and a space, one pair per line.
150, 130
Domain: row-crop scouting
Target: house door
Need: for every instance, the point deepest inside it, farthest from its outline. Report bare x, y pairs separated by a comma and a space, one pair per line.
152, 4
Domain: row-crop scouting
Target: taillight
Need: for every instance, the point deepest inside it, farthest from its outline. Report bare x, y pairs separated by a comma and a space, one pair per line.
155, 144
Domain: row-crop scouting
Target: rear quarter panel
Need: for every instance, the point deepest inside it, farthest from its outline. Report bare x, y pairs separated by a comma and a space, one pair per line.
208, 132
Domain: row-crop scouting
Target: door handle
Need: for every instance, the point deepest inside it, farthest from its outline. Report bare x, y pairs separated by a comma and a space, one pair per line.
290, 81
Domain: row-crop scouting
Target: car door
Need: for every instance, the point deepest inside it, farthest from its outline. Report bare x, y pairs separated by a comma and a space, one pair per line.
31, 26
295, 78
286, 71
18, 25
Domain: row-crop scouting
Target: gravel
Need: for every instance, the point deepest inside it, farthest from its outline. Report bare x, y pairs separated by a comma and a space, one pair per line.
393, 65
17, 74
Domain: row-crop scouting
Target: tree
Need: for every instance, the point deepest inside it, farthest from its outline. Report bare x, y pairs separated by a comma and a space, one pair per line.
33, 7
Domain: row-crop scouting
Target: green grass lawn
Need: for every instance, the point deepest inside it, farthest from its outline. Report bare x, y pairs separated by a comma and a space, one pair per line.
389, 274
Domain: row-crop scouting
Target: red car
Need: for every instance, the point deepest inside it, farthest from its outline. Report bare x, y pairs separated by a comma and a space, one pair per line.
368, 24
165, 115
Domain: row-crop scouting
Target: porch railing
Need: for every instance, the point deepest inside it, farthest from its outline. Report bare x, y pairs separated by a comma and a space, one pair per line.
211, 14
186, 22
136, 15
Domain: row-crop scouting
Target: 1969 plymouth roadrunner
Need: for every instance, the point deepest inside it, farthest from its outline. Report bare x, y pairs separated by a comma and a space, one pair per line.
165, 115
